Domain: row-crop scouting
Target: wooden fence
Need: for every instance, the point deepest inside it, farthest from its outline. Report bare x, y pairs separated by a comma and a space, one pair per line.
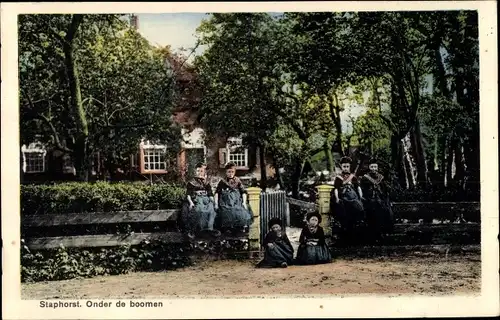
99, 218
411, 211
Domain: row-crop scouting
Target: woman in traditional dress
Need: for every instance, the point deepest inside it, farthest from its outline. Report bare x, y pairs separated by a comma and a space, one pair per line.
231, 202
347, 205
379, 214
198, 212
313, 248
278, 249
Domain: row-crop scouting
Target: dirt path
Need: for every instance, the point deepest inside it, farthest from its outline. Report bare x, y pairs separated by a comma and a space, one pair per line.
432, 275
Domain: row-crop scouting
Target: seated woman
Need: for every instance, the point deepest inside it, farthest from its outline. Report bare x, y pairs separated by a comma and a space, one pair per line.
313, 248
278, 249
347, 205
198, 213
377, 204
231, 202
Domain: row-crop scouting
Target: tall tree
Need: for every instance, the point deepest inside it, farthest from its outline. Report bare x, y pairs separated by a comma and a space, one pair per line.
90, 83
247, 88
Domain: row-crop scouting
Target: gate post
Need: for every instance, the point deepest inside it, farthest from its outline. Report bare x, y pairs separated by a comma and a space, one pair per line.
254, 229
324, 195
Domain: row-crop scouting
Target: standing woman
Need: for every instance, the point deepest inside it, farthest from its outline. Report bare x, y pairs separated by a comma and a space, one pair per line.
348, 207
313, 248
198, 212
231, 202
378, 207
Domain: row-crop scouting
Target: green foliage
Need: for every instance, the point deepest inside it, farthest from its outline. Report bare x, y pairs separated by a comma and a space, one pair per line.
285, 82
232, 75
444, 116
126, 86
69, 263
247, 85
372, 132
99, 197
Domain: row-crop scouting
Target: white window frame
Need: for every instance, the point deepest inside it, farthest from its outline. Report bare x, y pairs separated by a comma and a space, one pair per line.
232, 144
146, 147
34, 148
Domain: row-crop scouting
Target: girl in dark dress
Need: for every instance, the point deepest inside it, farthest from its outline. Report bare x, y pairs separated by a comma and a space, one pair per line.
278, 249
198, 212
347, 205
231, 202
313, 248
378, 207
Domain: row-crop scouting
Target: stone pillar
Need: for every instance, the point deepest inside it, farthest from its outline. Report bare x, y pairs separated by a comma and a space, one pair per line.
254, 231
324, 194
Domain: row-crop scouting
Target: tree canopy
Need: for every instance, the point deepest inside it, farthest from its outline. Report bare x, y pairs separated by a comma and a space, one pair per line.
284, 80
401, 86
90, 83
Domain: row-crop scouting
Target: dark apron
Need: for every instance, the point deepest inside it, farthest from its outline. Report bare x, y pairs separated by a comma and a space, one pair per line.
201, 217
379, 211
307, 254
275, 256
231, 213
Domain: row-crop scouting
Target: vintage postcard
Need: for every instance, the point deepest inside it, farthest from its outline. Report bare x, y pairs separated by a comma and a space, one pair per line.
219, 160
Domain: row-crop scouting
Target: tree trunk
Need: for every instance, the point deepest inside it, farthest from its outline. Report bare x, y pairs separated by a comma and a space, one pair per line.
419, 155
459, 165
405, 176
472, 162
263, 167
279, 177
81, 152
397, 160
449, 162
435, 154
329, 157
297, 173
410, 161
335, 115
442, 159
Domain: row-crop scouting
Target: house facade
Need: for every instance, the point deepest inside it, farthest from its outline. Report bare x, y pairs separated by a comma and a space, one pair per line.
152, 161
215, 152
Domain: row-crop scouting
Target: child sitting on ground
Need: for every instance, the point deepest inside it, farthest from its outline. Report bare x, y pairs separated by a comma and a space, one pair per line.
313, 248
278, 249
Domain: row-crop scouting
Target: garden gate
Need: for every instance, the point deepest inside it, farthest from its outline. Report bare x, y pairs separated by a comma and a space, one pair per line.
273, 204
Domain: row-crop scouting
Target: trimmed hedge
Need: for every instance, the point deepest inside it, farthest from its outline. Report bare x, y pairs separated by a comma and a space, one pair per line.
75, 197
69, 263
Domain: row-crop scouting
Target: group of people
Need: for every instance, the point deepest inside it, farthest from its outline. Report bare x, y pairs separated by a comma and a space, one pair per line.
225, 210
312, 249
355, 200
